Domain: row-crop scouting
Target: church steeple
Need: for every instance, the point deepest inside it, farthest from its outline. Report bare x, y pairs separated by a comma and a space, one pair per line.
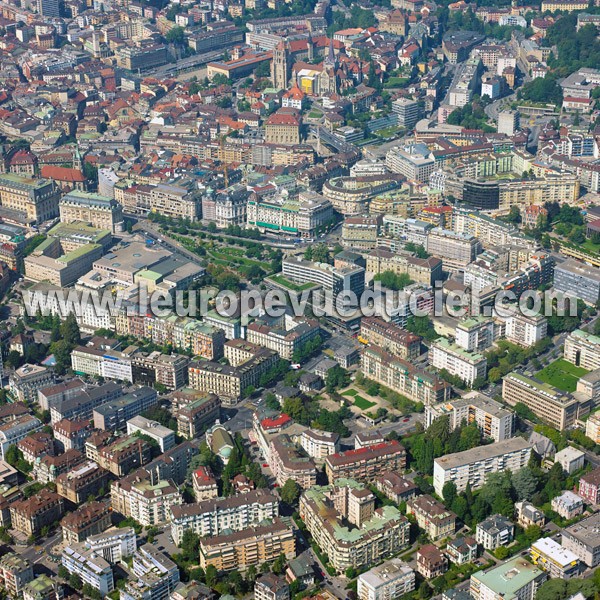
280, 67
330, 60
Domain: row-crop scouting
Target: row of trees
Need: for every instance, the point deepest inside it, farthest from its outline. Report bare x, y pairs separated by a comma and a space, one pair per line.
308, 412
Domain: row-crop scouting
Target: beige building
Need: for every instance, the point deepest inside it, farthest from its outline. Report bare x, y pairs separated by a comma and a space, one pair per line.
30, 515
253, 546
15, 573
455, 250
583, 349
283, 127
87, 207
420, 270
432, 516
360, 233
195, 417
288, 462
90, 519
557, 408
344, 523
85, 480
319, 444
284, 339
28, 200
390, 337
174, 201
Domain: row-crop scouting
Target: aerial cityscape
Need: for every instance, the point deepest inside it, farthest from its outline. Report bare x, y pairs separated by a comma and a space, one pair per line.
299, 299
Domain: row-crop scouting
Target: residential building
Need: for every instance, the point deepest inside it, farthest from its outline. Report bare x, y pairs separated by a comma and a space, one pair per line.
395, 487
25, 382
371, 534
217, 515
54, 394
113, 545
403, 377
319, 444
70, 434
589, 486
472, 466
17, 429
455, 250
592, 427
163, 436
467, 365
526, 330
557, 408
389, 337
528, 515
125, 454
557, 561
36, 444
570, 459
360, 232
47, 468
421, 270
366, 464
113, 415
415, 162
431, 563
271, 587
205, 484
290, 462
43, 588
15, 573
253, 546
583, 539
87, 520
196, 416
495, 531
85, 480
517, 578
157, 575
87, 207
474, 334
493, 420
81, 405
583, 349
432, 516
568, 505
388, 581
578, 279
169, 370
462, 550
91, 568
30, 515
285, 339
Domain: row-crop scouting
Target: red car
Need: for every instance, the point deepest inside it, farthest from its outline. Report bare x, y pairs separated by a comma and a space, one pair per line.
265, 465
406, 420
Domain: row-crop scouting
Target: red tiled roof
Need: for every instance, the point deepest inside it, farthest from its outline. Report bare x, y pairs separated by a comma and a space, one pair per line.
62, 174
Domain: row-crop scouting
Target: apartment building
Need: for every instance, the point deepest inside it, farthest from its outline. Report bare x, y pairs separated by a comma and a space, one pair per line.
252, 546
578, 279
570, 459
87, 207
432, 516
389, 337
462, 550
415, 162
91, 568
395, 487
568, 505
85, 480
113, 545
319, 444
28, 200
143, 498
17, 429
468, 365
163, 436
15, 573
516, 578
169, 370
472, 466
71, 434
366, 463
583, 539
390, 580
271, 587
583, 349
526, 330
47, 468
557, 561
217, 515
455, 250
89, 519
125, 454
30, 515
360, 233
25, 382
113, 415
42, 588
205, 484
196, 416
403, 377
421, 270
371, 534
230, 382
557, 408
493, 420
284, 339
495, 531
287, 461
157, 575
431, 563
474, 334
589, 486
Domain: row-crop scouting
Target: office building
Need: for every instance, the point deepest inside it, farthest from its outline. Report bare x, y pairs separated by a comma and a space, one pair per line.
583, 349
557, 408
406, 111
370, 535
82, 404
27, 200
495, 531
578, 279
493, 420
432, 516
474, 334
557, 561
48, 8
366, 464
87, 207
415, 162
253, 546
91, 568
217, 515
389, 337
388, 581
516, 579
141, 58
163, 436
403, 377
508, 122
472, 466
468, 365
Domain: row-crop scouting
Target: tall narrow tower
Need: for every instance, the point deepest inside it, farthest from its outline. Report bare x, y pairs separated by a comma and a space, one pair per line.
280, 67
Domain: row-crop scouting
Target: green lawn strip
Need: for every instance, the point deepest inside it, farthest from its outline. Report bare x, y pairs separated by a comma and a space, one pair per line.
562, 375
363, 403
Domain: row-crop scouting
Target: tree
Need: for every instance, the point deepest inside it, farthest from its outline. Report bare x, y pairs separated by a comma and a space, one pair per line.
190, 545
176, 35
449, 493
14, 359
290, 492
75, 581
279, 565
337, 377
63, 573
525, 483
212, 575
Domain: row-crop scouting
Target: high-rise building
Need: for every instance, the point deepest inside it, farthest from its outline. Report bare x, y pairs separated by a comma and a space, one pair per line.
387, 581
407, 112
49, 8
508, 122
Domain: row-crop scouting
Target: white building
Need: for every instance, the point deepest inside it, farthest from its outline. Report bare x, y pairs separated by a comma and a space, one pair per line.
415, 162
319, 444
508, 122
473, 466
570, 459
495, 531
475, 334
525, 330
90, 566
557, 561
567, 505
114, 544
163, 436
388, 581
457, 361
16, 430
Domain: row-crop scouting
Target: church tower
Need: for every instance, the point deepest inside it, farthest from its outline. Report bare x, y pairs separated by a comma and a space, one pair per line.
280, 73
310, 46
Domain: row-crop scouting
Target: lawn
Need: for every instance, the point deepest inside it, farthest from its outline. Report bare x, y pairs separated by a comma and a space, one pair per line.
396, 82
358, 400
562, 375
281, 280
